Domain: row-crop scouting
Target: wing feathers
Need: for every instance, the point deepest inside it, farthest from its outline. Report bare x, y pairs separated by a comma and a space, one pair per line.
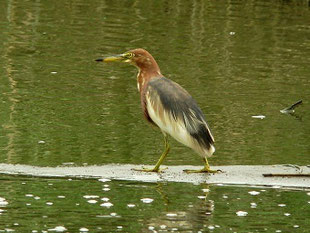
176, 112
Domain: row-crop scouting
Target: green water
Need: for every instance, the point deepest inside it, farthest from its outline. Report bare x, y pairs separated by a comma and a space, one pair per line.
238, 59
43, 205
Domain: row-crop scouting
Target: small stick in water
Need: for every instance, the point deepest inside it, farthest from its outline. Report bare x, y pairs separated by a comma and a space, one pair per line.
291, 108
286, 175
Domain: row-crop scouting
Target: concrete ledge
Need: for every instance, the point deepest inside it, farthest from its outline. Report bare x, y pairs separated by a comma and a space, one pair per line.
286, 176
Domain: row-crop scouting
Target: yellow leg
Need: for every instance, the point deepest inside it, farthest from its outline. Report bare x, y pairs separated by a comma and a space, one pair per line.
161, 159
206, 168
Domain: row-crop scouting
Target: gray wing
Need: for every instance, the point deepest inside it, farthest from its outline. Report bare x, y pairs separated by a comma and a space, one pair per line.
181, 105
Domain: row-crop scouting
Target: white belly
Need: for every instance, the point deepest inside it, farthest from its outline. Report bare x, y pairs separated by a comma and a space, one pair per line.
175, 128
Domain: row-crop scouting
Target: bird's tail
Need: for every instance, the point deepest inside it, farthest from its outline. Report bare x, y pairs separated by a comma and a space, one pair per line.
210, 151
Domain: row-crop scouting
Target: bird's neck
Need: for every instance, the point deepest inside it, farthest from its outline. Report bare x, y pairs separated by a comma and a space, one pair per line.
146, 74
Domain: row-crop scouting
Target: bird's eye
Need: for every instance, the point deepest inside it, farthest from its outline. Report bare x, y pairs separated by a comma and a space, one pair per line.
129, 55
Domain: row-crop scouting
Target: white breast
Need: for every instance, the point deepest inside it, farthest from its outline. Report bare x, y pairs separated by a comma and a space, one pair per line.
175, 128
167, 124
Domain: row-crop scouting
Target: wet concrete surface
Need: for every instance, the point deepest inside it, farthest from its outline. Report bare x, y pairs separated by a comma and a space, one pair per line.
286, 176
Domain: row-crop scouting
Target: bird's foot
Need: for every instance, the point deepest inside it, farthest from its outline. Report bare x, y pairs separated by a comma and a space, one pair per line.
204, 170
157, 170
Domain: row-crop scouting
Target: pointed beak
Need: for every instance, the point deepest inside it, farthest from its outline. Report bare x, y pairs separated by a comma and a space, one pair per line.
114, 58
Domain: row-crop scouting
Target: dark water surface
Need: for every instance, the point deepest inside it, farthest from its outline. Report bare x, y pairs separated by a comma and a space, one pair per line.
237, 58
40, 205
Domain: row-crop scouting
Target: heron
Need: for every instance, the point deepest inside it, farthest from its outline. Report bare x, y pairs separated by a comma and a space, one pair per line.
169, 107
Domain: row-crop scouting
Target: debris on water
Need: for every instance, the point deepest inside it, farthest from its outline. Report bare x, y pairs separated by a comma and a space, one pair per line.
253, 205
106, 204
259, 117
171, 215
90, 196
3, 202
92, 201
147, 200
211, 227
9, 230
254, 193
58, 229
291, 109
242, 213
83, 229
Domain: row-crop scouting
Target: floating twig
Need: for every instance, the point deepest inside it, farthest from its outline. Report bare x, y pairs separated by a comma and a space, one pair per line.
291, 108
285, 175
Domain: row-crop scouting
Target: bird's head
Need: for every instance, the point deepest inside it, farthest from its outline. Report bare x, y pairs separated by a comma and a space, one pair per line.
137, 57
